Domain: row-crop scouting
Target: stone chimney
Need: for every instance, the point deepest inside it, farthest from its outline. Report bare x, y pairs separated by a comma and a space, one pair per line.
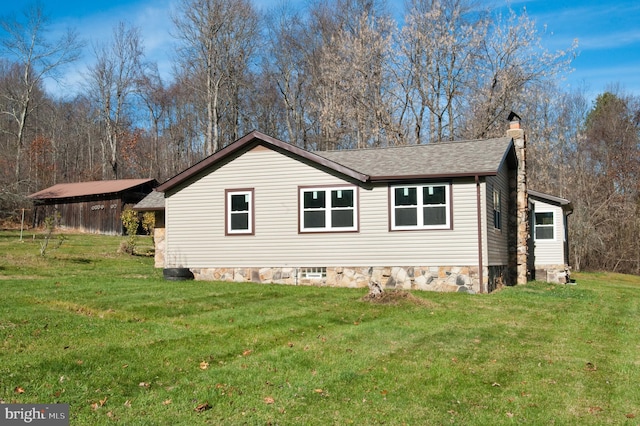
519, 192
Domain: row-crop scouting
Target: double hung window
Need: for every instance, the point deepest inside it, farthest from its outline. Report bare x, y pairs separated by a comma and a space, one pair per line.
328, 209
421, 207
239, 208
544, 226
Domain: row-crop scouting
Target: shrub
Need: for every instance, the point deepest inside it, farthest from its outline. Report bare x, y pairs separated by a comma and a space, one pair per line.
148, 222
50, 224
131, 222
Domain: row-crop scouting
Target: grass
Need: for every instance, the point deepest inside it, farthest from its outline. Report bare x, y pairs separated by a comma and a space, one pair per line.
106, 334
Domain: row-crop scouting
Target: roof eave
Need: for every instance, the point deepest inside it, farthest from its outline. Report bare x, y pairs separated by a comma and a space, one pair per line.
42, 195
562, 202
402, 178
148, 209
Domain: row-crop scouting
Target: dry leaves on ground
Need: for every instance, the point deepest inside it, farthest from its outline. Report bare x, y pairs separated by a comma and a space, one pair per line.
395, 297
202, 407
99, 404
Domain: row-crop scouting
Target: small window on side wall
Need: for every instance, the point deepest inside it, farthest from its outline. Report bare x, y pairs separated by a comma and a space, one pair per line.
497, 209
544, 226
239, 211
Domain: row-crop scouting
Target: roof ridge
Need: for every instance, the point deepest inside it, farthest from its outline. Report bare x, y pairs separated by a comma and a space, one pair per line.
379, 148
85, 182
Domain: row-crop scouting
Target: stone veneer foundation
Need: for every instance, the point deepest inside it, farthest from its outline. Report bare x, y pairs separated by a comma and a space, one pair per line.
430, 278
160, 245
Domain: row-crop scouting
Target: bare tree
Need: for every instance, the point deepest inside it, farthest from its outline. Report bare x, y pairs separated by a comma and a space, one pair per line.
217, 41
26, 43
440, 43
76, 137
554, 123
350, 71
112, 80
592, 157
608, 193
285, 64
155, 99
512, 59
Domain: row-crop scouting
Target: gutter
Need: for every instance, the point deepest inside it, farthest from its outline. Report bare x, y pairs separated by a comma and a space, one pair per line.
423, 177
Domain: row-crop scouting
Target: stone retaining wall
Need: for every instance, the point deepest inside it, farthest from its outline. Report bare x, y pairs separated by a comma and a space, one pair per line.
429, 278
559, 274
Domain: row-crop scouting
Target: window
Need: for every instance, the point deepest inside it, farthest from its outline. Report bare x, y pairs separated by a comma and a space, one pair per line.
239, 207
328, 209
497, 209
420, 207
318, 273
544, 229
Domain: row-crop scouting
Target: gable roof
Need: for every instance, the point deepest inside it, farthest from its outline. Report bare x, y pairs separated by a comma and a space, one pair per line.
83, 189
447, 159
248, 142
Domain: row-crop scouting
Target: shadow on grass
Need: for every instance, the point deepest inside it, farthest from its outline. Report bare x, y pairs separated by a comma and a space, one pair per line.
149, 253
80, 260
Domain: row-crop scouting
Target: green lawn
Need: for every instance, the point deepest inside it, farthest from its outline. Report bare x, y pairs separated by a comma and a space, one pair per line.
106, 334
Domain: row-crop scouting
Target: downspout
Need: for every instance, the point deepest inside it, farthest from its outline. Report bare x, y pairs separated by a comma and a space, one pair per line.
566, 237
479, 208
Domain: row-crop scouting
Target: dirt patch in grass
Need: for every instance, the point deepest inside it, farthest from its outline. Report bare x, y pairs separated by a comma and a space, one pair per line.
397, 297
18, 277
78, 309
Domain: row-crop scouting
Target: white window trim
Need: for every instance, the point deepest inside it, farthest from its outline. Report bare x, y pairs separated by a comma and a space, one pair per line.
327, 209
247, 193
421, 225
553, 227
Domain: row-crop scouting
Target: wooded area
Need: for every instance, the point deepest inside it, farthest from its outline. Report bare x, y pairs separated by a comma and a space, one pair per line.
339, 74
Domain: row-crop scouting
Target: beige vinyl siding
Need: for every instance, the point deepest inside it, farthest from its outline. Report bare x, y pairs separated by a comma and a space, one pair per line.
549, 252
497, 239
196, 228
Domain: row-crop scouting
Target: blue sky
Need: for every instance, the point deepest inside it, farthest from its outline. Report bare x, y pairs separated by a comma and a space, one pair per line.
608, 32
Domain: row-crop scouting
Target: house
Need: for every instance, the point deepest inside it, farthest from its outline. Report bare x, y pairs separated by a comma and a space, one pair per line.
93, 207
450, 216
549, 242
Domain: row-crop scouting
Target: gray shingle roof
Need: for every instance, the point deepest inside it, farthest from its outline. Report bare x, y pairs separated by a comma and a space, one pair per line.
463, 158
446, 159
153, 201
